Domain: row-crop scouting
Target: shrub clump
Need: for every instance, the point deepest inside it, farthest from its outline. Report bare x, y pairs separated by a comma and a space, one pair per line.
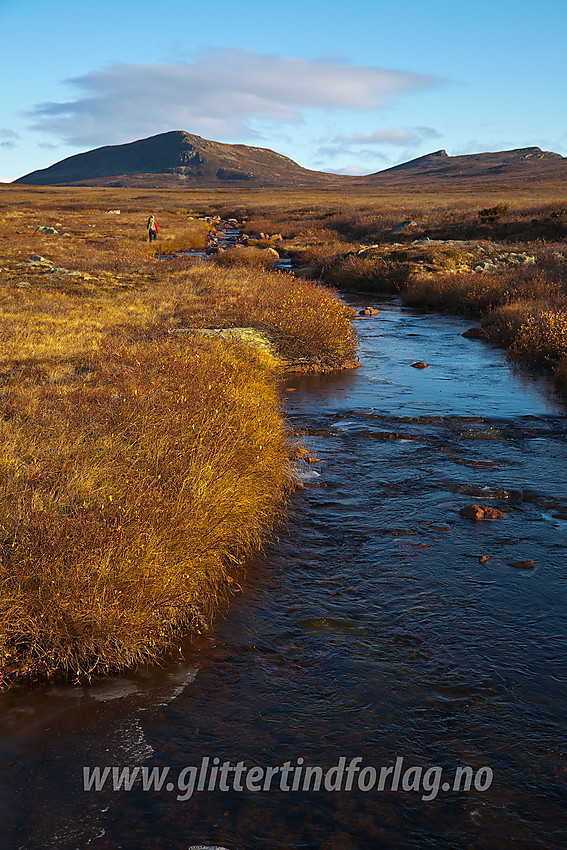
490, 215
542, 338
302, 318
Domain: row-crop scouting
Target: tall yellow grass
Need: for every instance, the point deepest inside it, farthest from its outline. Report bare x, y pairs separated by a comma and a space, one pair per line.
138, 467
126, 497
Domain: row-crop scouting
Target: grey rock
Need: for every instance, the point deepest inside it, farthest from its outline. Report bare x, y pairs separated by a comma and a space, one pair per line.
403, 226
38, 260
485, 266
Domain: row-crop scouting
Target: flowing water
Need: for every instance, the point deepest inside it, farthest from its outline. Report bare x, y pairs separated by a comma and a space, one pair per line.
370, 629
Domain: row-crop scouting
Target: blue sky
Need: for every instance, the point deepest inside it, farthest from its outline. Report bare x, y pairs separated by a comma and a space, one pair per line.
353, 87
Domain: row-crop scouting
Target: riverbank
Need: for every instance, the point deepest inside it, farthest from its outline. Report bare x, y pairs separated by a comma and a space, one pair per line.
505, 264
369, 628
142, 459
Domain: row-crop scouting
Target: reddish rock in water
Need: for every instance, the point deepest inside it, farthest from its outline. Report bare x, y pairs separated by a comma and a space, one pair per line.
493, 513
475, 333
472, 512
369, 311
483, 559
420, 365
522, 565
477, 512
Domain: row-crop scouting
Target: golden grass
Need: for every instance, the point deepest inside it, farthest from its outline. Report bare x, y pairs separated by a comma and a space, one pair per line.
138, 466
127, 494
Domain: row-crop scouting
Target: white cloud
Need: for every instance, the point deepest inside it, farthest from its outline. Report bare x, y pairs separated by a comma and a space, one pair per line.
393, 136
389, 136
216, 95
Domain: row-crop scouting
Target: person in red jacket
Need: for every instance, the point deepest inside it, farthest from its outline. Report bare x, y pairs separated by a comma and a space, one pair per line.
153, 228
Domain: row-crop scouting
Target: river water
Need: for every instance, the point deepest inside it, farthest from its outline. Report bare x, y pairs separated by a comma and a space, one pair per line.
368, 630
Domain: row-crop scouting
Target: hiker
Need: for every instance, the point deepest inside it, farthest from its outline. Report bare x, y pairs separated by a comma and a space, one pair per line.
153, 228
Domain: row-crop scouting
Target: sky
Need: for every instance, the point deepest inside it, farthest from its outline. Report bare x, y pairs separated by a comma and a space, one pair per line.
352, 88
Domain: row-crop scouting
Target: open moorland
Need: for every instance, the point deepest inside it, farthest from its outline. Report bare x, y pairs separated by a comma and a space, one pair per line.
141, 459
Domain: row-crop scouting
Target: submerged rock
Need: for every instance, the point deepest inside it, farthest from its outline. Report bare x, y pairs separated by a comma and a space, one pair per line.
522, 565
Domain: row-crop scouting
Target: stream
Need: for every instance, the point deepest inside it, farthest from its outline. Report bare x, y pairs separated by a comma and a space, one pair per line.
368, 630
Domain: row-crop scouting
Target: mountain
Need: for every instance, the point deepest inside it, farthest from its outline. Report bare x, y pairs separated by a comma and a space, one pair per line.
501, 167
177, 159
174, 159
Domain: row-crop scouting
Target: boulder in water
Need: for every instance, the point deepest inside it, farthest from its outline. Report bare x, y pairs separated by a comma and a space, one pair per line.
477, 512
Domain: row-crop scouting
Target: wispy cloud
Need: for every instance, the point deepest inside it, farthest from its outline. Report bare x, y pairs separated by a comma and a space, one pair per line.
344, 151
389, 136
218, 95
352, 170
392, 136
369, 148
8, 138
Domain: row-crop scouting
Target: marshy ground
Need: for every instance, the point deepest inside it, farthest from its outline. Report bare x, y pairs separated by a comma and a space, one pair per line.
139, 465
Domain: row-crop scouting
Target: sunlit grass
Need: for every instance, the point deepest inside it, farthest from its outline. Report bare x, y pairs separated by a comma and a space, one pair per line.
139, 463
128, 496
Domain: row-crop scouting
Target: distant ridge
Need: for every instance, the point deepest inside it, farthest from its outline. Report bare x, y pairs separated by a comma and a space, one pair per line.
174, 159
179, 159
501, 166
